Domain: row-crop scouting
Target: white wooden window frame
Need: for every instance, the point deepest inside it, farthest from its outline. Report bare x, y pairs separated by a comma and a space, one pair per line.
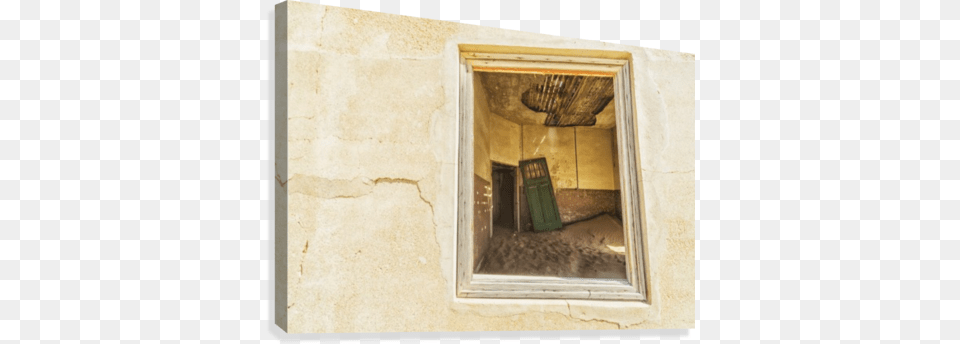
539, 60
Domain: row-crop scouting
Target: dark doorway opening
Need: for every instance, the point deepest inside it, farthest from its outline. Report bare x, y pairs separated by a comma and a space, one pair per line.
504, 210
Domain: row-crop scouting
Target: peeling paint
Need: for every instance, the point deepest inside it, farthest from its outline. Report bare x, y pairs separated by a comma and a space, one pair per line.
669, 172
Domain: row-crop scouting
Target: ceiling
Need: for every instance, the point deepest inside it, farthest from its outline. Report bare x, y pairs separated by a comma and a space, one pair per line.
579, 98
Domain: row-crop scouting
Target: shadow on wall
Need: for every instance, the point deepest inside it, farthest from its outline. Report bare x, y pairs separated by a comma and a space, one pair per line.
504, 196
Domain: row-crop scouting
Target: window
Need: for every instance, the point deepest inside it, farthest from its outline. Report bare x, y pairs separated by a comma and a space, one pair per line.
504, 59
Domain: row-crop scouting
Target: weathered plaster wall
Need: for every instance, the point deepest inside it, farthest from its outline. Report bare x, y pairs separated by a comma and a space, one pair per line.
504, 141
595, 159
367, 191
558, 146
578, 157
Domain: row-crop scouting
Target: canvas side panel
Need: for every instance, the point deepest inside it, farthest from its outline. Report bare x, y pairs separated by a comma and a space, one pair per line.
280, 149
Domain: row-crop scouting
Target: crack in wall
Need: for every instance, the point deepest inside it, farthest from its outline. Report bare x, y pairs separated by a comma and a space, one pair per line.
367, 186
305, 118
303, 256
356, 188
362, 139
368, 138
283, 184
350, 196
419, 193
582, 317
569, 313
666, 172
322, 28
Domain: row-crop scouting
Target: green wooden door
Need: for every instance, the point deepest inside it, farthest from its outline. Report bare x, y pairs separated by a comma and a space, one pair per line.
540, 197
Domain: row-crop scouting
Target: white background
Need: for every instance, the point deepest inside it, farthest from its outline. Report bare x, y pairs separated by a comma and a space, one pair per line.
136, 165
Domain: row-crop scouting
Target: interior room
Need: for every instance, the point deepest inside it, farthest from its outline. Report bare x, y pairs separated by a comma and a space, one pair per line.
546, 182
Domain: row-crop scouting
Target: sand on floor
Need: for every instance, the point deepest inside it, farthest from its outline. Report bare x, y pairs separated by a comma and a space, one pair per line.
586, 249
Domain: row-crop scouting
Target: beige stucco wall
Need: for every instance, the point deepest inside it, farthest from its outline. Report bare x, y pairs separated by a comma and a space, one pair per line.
366, 179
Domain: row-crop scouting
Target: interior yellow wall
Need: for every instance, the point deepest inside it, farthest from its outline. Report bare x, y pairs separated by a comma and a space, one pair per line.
595, 159
481, 132
504, 141
578, 157
558, 146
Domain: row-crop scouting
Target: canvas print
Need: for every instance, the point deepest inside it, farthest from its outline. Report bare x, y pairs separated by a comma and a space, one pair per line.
439, 176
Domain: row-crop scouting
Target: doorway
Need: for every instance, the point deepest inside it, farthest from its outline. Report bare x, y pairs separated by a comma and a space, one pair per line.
505, 215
